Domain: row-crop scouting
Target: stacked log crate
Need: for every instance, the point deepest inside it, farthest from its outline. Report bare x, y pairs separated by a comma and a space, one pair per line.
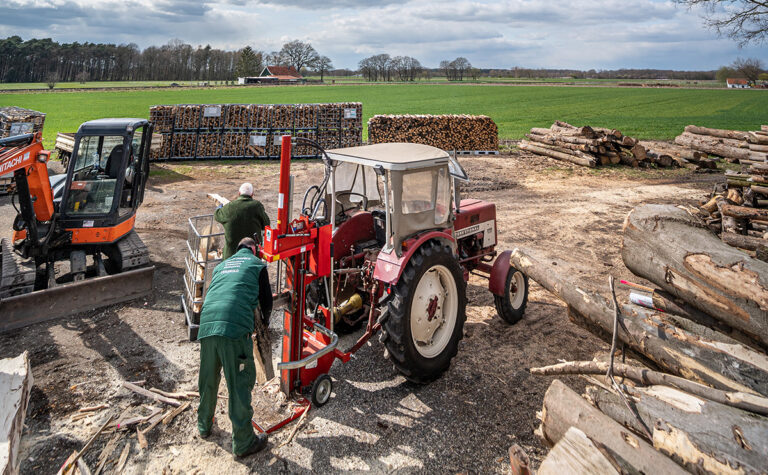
19, 121
592, 146
460, 133
687, 389
734, 146
242, 131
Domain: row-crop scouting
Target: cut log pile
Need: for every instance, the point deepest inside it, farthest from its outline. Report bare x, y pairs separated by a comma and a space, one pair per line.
592, 146
695, 395
738, 210
733, 145
213, 131
18, 121
461, 133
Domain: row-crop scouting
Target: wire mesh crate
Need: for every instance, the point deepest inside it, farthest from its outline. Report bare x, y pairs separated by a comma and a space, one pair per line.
202, 257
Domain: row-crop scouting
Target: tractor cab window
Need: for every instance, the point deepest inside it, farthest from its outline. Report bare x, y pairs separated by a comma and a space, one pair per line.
418, 189
95, 175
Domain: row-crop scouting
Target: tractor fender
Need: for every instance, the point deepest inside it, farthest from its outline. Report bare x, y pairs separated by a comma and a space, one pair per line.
389, 267
498, 280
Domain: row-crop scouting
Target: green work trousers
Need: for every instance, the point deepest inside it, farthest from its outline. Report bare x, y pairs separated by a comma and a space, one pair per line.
236, 358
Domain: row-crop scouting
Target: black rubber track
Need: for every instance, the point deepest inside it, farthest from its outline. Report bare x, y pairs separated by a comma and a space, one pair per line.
396, 333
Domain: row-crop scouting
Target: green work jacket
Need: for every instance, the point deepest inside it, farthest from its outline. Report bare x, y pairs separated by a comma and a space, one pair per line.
232, 296
241, 217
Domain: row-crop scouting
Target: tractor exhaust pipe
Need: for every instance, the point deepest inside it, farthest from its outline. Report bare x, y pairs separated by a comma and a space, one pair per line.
285, 185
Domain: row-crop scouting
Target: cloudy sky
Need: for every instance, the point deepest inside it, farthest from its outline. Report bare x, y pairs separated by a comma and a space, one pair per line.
581, 34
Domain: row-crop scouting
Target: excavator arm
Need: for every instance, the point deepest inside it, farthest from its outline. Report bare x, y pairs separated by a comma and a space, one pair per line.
25, 157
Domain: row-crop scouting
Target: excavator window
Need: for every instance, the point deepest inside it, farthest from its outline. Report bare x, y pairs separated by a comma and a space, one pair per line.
96, 171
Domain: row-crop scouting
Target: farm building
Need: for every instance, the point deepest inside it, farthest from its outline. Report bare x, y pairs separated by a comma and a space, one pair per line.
273, 74
737, 83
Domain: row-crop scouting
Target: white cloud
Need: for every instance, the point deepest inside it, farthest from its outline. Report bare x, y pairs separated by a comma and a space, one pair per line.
585, 34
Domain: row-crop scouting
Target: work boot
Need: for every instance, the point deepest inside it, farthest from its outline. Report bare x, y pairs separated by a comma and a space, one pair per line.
258, 444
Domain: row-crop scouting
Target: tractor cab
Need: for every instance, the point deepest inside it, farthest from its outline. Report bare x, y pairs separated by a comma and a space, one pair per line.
106, 176
408, 189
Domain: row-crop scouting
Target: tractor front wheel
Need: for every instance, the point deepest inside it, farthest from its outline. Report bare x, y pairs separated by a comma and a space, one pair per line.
511, 305
426, 314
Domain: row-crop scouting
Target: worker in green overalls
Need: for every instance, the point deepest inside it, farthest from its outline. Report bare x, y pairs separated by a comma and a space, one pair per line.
241, 217
239, 285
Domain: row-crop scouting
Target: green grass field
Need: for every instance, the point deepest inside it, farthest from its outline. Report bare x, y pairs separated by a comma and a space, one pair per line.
644, 113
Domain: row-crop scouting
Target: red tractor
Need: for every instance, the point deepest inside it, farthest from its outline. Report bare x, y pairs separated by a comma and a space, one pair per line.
384, 239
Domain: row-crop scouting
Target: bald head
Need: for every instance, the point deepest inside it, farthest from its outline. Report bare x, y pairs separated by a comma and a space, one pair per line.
247, 243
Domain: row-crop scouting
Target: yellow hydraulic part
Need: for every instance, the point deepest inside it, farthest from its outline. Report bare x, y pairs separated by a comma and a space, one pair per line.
351, 305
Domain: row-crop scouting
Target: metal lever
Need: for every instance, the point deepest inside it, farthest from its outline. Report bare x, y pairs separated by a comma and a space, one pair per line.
315, 356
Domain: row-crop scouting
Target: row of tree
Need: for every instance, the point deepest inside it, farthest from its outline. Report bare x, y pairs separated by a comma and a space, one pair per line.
44, 60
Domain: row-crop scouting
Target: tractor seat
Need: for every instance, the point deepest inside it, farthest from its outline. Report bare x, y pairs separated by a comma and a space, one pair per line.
114, 161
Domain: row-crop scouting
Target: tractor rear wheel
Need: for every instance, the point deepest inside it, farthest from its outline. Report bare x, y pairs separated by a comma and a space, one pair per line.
426, 314
511, 305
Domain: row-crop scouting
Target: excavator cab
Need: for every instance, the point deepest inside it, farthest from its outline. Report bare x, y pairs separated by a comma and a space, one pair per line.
106, 175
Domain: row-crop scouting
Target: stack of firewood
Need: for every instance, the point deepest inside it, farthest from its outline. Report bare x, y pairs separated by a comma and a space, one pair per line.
252, 130
447, 132
592, 146
733, 145
738, 209
18, 121
692, 394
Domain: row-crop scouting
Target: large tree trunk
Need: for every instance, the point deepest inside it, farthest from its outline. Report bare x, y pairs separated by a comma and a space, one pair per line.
645, 376
724, 366
726, 134
672, 249
15, 388
699, 434
563, 409
712, 146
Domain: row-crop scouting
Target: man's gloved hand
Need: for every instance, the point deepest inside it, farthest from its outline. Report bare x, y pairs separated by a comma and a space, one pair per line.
219, 206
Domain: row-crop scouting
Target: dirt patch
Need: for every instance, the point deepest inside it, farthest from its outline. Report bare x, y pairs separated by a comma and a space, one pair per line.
376, 421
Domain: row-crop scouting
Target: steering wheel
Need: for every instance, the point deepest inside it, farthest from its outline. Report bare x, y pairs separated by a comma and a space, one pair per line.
352, 193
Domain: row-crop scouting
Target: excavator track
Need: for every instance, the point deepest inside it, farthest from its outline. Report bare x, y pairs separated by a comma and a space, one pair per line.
21, 305
17, 275
132, 251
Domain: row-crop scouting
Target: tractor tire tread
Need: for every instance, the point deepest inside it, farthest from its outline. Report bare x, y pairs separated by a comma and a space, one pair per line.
396, 329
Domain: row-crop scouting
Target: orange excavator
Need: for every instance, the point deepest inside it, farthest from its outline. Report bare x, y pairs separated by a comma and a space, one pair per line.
73, 246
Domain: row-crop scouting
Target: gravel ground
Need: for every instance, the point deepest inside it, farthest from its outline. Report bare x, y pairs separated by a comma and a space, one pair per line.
376, 421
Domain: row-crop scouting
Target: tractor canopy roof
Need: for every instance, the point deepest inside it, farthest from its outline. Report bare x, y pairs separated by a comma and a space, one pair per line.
392, 156
110, 126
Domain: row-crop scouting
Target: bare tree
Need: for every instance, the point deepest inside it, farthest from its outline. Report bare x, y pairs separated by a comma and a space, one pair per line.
745, 21
406, 67
51, 80
750, 68
445, 67
298, 54
323, 64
